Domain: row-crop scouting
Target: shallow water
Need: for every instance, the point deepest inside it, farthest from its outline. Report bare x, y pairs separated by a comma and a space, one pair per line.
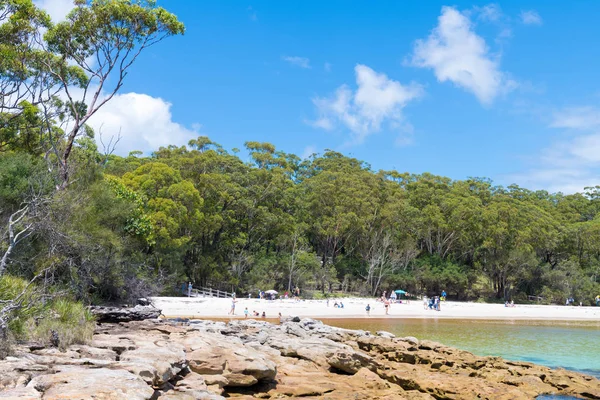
572, 345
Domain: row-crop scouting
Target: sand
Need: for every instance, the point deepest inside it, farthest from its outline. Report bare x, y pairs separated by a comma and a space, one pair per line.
198, 307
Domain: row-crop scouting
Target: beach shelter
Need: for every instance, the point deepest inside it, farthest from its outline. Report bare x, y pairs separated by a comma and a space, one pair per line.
271, 291
400, 291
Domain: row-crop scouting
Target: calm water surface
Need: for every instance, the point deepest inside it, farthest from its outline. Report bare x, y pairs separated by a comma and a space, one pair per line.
570, 345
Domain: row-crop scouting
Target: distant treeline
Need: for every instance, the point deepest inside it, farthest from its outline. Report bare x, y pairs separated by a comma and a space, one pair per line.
130, 226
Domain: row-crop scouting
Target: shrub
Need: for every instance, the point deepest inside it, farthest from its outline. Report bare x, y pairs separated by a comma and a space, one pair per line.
72, 322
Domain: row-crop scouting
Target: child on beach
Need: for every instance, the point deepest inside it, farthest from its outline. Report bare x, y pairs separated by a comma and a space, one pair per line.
246, 312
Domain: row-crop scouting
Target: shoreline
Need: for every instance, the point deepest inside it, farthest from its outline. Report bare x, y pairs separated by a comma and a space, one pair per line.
354, 308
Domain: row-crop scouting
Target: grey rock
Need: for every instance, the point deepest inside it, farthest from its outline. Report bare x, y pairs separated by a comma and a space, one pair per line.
124, 314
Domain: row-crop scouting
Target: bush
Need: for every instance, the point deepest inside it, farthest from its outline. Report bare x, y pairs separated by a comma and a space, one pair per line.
37, 320
71, 321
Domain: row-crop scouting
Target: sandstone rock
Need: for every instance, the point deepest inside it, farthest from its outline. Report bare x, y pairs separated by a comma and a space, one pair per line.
351, 361
98, 383
21, 393
255, 359
168, 358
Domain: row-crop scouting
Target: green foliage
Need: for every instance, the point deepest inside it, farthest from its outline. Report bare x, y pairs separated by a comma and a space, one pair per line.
71, 321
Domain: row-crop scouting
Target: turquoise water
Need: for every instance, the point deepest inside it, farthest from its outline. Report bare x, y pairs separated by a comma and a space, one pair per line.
569, 345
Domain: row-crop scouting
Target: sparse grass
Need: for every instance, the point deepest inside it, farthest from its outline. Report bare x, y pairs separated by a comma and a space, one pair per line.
69, 319
36, 319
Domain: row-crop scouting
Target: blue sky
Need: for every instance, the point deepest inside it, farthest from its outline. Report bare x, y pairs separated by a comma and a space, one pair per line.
504, 90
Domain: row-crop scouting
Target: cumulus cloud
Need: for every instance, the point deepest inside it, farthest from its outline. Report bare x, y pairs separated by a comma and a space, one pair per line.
301, 62
143, 122
457, 54
570, 164
376, 100
57, 9
531, 17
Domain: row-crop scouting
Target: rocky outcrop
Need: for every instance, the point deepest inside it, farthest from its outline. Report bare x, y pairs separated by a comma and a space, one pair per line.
247, 359
124, 314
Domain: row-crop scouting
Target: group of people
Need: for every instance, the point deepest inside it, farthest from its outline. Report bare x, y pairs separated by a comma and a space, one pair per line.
432, 303
338, 305
255, 313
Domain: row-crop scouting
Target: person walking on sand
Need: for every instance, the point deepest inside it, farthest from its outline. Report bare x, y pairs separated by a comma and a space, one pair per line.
232, 311
368, 309
246, 312
189, 289
387, 306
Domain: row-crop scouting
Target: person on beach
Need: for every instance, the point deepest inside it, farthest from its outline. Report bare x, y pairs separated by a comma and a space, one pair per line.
443, 298
246, 312
387, 306
368, 309
393, 297
341, 305
598, 300
264, 314
189, 289
425, 302
232, 311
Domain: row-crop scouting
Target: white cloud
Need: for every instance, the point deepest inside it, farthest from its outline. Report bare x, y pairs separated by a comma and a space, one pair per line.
490, 12
57, 9
573, 163
577, 118
308, 151
531, 17
376, 100
457, 54
144, 123
301, 62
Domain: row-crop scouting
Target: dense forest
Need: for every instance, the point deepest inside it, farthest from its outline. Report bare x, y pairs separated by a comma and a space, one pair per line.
80, 223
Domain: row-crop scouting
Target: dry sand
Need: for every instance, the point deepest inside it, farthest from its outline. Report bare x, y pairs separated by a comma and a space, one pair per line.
197, 307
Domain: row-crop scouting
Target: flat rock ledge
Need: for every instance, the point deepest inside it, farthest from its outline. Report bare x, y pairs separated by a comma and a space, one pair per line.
247, 359
105, 314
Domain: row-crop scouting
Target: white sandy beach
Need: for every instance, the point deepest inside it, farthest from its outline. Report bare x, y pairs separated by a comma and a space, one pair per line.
197, 307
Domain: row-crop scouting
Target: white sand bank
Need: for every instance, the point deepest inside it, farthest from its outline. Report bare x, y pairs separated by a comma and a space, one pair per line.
197, 307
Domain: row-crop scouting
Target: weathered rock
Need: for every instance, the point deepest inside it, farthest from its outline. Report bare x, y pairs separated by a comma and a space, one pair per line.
98, 383
21, 393
124, 314
255, 359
